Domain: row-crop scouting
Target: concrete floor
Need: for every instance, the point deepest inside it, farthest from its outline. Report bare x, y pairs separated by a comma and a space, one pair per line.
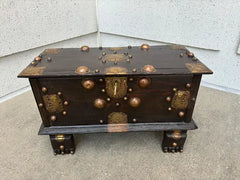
211, 152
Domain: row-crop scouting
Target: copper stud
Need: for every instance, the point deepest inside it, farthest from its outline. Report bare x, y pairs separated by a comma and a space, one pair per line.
130, 56
174, 89
101, 121
49, 59
88, 84
82, 70
100, 57
125, 98
59, 93
190, 54
97, 71
44, 89
84, 48
100, 80
103, 90
181, 54
117, 104
53, 118
129, 47
65, 103
130, 79
135, 102
61, 147
134, 120
128, 60
40, 105
174, 144
145, 46
103, 53
144, 82
134, 70
169, 109
168, 98
64, 113
130, 89
148, 68
108, 99
99, 103
37, 58
181, 114
188, 85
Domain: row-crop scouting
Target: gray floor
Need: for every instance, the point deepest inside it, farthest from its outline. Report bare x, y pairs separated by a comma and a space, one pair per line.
211, 152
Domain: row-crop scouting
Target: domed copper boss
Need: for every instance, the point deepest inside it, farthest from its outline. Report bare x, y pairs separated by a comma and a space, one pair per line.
85, 48
82, 70
148, 68
88, 84
145, 46
144, 82
135, 102
99, 103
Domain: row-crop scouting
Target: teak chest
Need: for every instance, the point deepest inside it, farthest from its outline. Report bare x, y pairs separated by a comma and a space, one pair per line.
118, 89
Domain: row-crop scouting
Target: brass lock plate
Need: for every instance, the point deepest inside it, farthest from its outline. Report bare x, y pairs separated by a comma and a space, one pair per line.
180, 99
116, 87
53, 103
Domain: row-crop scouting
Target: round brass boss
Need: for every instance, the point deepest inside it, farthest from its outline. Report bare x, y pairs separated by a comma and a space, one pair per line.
44, 89
88, 84
37, 58
135, 102
181, 114
148, 68
145, 46
99, 103
61, 147
84, 48
168, 98
188, 85
144, 82
190, 54
82, 70
53, 118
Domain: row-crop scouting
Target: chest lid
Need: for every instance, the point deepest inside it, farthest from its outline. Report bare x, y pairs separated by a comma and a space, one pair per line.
139, 60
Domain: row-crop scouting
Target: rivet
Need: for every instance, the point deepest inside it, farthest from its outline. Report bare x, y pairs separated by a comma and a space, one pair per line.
37, 58
195, 59
181, 54
59, 93
169, 109
88, 84
134, 120
33, 62
61, 147
114, 52
85, 48
130, 89
130, 56
53, 118
82, 70
108, 99
72, 152
103, 90
115, 62
144, 82
44, 89
65, 103
174, 89
134, 70
129, 47
126, 53
100, 57
64, 113
99, 103
100, 80
190, 54
148, 68
49, 59
135, 102
117, 104
125, 98
168, 98
62, 152
181, 114
101, 121
104, 61
145, 46
128, 60
103, 53
130, 79
174, 144
40, 105
97, 71
188, 85
193, 99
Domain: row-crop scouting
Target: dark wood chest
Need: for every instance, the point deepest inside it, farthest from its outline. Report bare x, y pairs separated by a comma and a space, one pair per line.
93, 90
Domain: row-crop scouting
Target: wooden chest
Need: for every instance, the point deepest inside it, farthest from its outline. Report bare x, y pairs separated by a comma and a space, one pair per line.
119, 89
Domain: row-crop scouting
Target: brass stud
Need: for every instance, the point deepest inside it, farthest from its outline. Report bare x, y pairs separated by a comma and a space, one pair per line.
49, 59
134, 70
188, 85
190, 54
44, 89
99, 103
84, 48
100, 80
104, 61
126, 53
101, 121
168, 98
61, 147
145, 46
181, 114
64, 113
130, 79
169, 109
103, 90
193, 99
130, 56
72, 152
174, 89
128, 60
40, 105
135, 102
134, 120
181, 54
32, 62
148, 68
65, 103
174, 144
53, 118
97, 71
194, 59
100, 57
117, 104
82, 70
103, 53
88, 84
144, 82
129, 47
108, 99
130, 89
59, 93
37, 58
62, 152
125, 98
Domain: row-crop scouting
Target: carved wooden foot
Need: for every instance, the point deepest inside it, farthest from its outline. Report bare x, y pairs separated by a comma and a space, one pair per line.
62, 143
173, 141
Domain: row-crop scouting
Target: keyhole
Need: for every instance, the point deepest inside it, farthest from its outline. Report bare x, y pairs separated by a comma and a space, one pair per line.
115, 88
